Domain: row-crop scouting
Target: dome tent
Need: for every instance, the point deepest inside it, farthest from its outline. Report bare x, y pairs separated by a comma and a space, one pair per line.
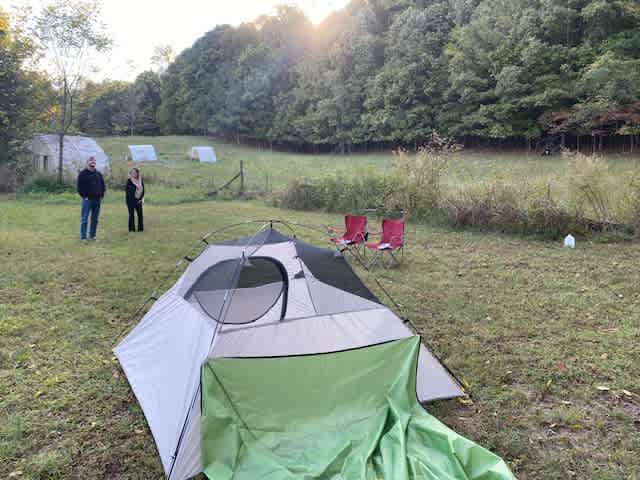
268, 295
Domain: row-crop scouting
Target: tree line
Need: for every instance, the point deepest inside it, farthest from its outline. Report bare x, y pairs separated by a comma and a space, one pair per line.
393, 71
383, 73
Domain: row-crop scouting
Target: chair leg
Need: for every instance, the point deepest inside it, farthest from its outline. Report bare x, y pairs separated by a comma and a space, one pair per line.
353, 250
371, 262
375, 259
356, 253
383, 259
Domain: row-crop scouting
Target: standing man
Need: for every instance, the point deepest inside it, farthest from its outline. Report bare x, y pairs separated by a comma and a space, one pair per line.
91, 188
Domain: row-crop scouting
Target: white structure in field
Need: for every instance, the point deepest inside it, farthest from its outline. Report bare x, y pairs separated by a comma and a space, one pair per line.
203, 154
142, 153
45, 153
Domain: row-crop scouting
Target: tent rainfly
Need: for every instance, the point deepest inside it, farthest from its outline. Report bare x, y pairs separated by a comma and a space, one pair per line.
263, 296
142, 153
45, 151
203, 154
350, 415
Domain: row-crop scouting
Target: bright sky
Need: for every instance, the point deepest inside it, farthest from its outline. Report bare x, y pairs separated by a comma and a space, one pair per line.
136, 26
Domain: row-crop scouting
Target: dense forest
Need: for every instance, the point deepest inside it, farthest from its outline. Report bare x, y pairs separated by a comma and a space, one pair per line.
390, 72
394, 70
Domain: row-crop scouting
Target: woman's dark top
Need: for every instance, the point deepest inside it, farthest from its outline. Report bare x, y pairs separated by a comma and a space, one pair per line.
131, 193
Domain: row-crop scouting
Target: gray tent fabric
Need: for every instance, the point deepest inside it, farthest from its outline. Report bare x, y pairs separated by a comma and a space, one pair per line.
228, 303
263, 237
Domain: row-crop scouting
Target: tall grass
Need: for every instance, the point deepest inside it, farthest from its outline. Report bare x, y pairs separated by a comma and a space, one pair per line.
596, 199
632, 203
508, 208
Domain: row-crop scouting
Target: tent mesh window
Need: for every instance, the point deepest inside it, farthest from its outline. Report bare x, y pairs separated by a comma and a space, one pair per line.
251, 287
325, 264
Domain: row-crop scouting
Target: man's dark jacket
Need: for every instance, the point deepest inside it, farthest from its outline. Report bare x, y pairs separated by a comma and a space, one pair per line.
91, 184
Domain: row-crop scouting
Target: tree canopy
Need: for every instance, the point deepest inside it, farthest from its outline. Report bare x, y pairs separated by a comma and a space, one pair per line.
396, 70
386, 72
25, 95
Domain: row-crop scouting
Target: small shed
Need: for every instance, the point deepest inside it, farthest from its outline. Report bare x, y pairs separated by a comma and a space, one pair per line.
142, 153
45, 153
203, 154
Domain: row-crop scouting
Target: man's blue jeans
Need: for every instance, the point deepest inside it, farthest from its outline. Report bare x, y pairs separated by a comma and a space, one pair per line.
89, 205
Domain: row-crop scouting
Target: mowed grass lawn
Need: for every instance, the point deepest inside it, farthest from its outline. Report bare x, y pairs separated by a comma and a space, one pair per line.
546, 338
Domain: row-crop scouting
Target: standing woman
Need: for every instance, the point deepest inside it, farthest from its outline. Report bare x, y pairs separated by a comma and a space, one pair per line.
135, 198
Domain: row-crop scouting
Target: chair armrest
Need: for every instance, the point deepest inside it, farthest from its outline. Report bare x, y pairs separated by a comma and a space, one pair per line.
359, 237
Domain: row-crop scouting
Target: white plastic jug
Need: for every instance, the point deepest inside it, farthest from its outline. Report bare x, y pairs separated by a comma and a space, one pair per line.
569, 241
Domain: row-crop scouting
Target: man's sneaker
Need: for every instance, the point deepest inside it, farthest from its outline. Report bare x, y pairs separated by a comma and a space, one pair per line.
92, 239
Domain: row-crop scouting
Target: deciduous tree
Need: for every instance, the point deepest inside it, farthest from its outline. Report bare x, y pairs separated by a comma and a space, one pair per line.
70, 32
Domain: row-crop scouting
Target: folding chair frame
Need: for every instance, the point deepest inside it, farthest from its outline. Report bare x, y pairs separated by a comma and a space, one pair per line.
352, 247
379, 253
379, 257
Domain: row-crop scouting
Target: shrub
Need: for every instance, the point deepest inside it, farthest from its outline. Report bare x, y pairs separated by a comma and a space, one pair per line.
548, 218
589, 185
414, 185
303, 196
631, 204
7, 180
336, 193
495, 206
465, 208
46, 184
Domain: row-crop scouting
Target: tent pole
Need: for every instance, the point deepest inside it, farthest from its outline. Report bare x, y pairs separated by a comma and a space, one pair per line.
224, 309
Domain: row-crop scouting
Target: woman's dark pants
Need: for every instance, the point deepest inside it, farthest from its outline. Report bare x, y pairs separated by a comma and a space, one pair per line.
138, 209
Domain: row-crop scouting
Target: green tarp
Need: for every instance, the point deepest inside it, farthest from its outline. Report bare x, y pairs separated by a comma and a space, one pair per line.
350, 415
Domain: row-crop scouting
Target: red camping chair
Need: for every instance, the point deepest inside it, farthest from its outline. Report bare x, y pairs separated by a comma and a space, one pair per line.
392, 240
355, 234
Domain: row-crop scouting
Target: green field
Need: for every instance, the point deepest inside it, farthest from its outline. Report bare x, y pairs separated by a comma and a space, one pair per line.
268, 170
262, 166
546, 338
